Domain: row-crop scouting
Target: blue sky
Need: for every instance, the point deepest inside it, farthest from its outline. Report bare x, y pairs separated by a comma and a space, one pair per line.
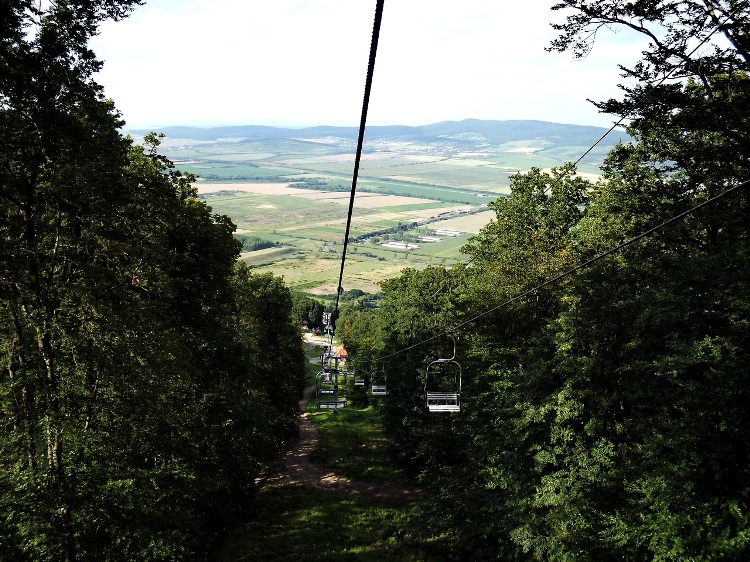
303, 62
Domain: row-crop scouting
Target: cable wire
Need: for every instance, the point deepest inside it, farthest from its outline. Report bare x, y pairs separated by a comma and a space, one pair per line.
365, 104
568, 168
360, 141
569, 272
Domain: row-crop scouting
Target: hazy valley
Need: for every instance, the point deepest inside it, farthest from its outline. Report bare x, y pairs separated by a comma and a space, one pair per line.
287, 190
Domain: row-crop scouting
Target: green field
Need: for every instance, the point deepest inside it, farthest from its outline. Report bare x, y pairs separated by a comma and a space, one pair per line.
401, 181
309, 236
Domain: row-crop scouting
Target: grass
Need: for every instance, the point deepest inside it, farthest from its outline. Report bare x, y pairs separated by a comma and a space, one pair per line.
315, 352
311, 369
264, 257
461, 196
414, 207
308, 524
306, 267
466, 223
270, 213
449, 248
229, 170
302, 227
317, 269
436, 174
352, 444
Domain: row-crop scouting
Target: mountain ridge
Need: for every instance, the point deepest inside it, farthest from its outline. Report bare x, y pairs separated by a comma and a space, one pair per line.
494, 131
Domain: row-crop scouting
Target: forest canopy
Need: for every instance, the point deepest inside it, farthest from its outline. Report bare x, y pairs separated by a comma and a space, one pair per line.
602, 415
147, 377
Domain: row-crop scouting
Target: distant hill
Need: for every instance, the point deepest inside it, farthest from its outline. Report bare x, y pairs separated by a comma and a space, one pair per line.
469, 131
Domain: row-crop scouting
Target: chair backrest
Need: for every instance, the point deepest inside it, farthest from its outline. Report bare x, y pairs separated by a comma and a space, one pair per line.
442, 386
379, 384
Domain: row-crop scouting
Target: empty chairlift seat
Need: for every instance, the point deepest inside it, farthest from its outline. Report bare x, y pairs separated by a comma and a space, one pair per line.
331, 404
327, 384
443, 386
329, 393
379, 384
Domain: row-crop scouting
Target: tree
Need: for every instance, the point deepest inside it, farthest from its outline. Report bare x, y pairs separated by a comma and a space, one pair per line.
690, 104
602, 417
130, 415
306, 308
641, 459
623, 393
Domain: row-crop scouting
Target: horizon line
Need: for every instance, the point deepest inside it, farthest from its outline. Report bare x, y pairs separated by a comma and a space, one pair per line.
126, 127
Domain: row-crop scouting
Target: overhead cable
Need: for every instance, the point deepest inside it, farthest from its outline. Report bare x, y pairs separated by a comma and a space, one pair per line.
567, 169
569, 272
360, 141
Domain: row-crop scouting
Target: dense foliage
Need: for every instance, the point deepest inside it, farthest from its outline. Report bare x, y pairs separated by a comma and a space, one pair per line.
146, 377
603, 415
253, 243
308, 310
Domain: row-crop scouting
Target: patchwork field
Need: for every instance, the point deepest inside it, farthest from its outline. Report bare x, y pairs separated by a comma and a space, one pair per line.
307, 228
290, 189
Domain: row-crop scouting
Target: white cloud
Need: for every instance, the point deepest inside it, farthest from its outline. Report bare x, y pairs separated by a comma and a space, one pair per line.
304, 62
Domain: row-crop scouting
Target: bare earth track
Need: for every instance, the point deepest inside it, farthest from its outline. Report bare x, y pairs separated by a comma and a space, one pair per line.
298, 470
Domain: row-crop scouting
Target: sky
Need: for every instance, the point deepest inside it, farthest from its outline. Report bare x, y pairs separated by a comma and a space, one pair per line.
295, 63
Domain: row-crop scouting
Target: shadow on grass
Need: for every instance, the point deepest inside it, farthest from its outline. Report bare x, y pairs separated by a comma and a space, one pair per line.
352, 444
302, 523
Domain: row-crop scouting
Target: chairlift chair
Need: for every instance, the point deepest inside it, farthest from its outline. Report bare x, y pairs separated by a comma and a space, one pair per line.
379, 384
328, 359
334, 405
323, 383
327, 383
442, 384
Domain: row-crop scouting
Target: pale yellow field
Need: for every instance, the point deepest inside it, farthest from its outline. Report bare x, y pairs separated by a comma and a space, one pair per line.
306, 264
466, 223
362, 200
373, 201
358, 274
351, 157
259, 188
333, 223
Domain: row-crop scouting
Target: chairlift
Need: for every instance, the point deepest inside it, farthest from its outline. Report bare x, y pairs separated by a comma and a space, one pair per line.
328, 361
328, 358
443, 384
322, 382
334, 405
328, 392
328, 389
379, 385
327, 383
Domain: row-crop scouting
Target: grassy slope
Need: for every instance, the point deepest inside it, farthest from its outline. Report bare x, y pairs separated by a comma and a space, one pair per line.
303, 523
309, 524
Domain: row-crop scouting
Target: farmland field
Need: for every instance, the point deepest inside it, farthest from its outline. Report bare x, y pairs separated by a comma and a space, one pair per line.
291, 188
308, 229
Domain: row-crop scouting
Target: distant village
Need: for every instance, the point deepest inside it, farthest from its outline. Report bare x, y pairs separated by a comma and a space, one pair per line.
429, 239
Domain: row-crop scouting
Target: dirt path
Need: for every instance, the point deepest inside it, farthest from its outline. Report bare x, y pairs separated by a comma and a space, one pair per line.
298, 470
